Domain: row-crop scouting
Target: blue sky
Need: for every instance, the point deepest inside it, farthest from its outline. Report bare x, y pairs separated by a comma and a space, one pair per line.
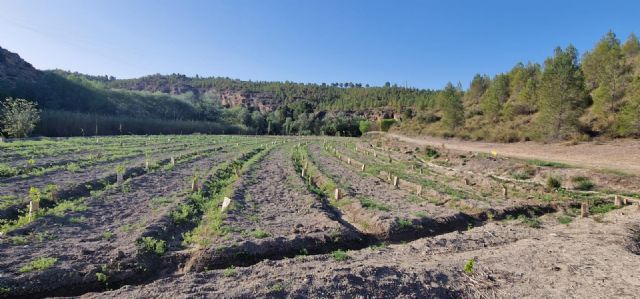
420, 43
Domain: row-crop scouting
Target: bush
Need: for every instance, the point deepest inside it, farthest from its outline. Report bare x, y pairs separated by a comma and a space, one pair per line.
150, 244
553, 183
19, 117
582, 183
386, 123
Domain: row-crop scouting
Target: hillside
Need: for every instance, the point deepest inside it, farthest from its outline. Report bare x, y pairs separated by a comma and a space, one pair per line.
568, 97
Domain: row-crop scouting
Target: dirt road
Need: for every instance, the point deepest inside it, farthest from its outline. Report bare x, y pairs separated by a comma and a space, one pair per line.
620, 154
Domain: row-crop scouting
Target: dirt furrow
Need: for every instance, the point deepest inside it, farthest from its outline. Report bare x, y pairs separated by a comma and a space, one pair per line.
102, 236
273, 216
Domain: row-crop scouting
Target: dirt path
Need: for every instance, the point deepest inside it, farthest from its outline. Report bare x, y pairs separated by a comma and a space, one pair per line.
620, 154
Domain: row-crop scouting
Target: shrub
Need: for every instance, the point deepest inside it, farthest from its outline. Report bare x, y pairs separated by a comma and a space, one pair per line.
39, 264
582, 183
468, 267
102, 277
553, 183
7, 171
150, 244
385, 124
432, 153
19, 117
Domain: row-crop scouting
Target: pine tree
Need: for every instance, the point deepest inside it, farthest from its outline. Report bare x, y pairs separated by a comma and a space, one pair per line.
604, 73
450, 101
562, 95
629, 122
495, 97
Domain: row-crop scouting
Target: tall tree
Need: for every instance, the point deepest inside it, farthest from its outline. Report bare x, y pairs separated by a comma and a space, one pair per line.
562, 95
523, 82
629, 122
495, 97
450, 101
604, 72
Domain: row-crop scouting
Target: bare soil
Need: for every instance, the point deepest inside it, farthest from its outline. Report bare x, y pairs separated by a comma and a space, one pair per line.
273, 215
397, 205
618, 154
103, 235
588, 258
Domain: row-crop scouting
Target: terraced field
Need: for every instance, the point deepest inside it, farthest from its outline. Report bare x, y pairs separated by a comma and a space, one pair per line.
240, 216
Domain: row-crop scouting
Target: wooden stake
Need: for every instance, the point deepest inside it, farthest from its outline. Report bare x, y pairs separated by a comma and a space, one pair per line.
616, 201
302, 172
363, 167
504, 192
194, 185
225, 203
30, 210
419, 190
349, 161
338, 195
146, 165
395, 181
119, 178
584, 210
173, 161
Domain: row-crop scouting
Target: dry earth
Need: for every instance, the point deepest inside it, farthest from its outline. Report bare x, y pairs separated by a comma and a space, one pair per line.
588, 258
620, 154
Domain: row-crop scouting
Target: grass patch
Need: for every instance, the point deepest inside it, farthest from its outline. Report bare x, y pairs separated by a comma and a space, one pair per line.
228, 272
259, 234
371, 204
531, 222
602, 208
405, 223
340, 255
547, 163
39, 264
582, 183
565, 219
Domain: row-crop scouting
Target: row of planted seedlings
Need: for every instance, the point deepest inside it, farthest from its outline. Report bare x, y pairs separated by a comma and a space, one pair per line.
497, 192
20, 150
201, 218
139, 245
262, 221
54, 200
379, 210
82, 157
101, 176
428, 185
408, 176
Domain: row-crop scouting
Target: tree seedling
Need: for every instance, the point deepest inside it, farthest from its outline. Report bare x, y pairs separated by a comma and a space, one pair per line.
120, 169
34, 203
